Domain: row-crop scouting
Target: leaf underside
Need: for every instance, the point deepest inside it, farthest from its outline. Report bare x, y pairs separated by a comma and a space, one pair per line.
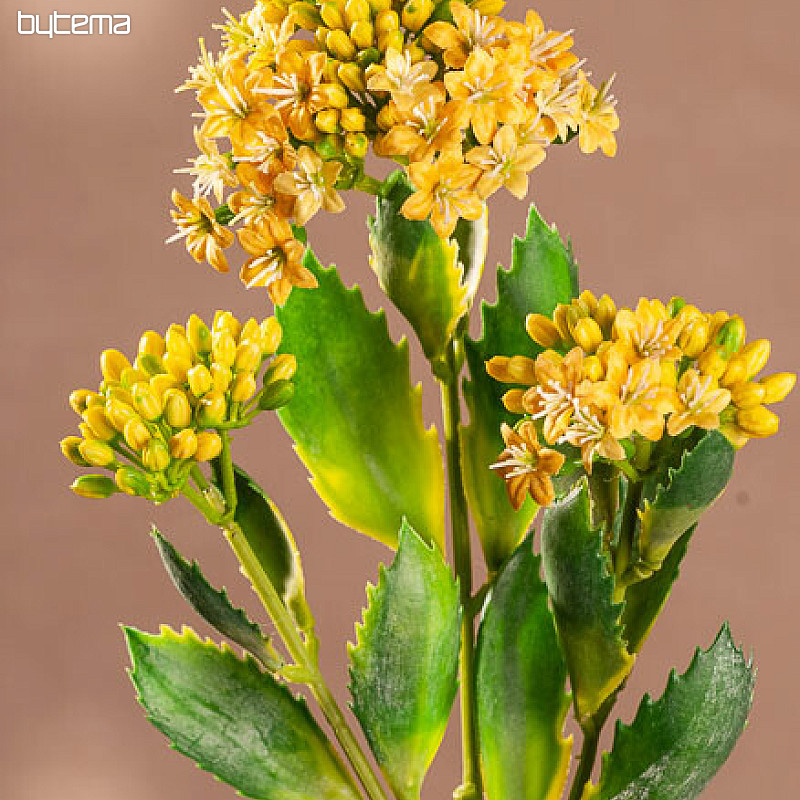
233, 720
581, 590
543, 274
355, 418
403, 666
676, 744
520, 679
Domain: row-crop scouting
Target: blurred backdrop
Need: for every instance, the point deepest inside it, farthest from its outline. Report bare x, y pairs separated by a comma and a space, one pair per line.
701, 201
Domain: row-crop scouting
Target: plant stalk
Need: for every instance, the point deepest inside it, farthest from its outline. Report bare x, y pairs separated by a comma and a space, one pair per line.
462, 564
591, 738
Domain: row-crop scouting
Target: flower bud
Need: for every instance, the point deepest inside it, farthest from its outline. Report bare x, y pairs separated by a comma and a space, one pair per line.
512, 400
777, 386
112, 362
416, 13
99, 423
200, 380
392, 40
606, 312
209, 445
243, 387
327, 120
352, 76
356, 10
70, 448
198, 334
356, 145
693, 338
339, 43
155, 456
251, 332
758, 421
283, 367
147, 402
248, 357
587, 334
674, 306
276, 395
85, 431
306, 16
747, 395
560, 321
94, 486
735, 373
132, 481
362, 34
177, 409
160, 384
136, 434
386, 21
183, 444
223, 348
152, 344
589, 301
178, 345
131, 376
377, 6
712, 362
225, 321
118, 413
756, 355
221, 376
213, 409
331, 15
79, 400
592, 368
320, 35
96, 454
271, 335
177, 366
731, 336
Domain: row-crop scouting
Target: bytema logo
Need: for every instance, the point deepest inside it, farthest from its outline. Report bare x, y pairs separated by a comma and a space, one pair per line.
72, 24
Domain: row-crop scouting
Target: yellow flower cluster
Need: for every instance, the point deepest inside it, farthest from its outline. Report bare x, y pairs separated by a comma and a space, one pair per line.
465, 99
610, 383
153, 421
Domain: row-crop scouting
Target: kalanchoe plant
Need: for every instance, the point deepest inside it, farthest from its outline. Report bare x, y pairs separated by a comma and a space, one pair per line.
622, 424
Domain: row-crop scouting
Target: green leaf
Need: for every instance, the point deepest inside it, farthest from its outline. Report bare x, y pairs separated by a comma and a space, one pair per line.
404, 663
234, 720
678, 497
542, 275
676, 744
521, 702
272, 543
645, 599
421, 273
213, 605
581, 588
355, 418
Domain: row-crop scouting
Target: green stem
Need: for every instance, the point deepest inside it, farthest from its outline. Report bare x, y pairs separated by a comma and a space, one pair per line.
462, 564
228, 480
592, 729
368, 184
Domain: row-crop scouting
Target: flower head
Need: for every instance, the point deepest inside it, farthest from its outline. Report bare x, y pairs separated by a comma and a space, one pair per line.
205, 237
151, 422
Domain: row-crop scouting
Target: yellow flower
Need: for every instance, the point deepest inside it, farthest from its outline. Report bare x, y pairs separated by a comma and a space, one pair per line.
700, 402
399, 76
276, 263
429, 124
211, 170
557, 105
233, 106
258, 200
589, 430
269, 145
205, 74
489, 92
312, 182
471, 32
526, 466
298, 92
649, 332
597, 117
259, 32
205, 237
505, 163
445, 192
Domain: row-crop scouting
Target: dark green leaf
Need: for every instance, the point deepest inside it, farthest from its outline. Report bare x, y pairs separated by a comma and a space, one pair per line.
234, 720
581, 588
676, 744
272, 543
678, 497
421, 273
355, 418
213, 605
542, 275
521, 701
404, 663
644, 600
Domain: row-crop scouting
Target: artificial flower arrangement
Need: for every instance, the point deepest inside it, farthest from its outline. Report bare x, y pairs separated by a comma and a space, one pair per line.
621, 425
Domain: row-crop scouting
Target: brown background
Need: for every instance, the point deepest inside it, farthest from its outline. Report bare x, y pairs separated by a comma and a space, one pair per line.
701, 201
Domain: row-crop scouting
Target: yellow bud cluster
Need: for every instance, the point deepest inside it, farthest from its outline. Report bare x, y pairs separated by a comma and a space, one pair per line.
612, 382
464, 98
151, 422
